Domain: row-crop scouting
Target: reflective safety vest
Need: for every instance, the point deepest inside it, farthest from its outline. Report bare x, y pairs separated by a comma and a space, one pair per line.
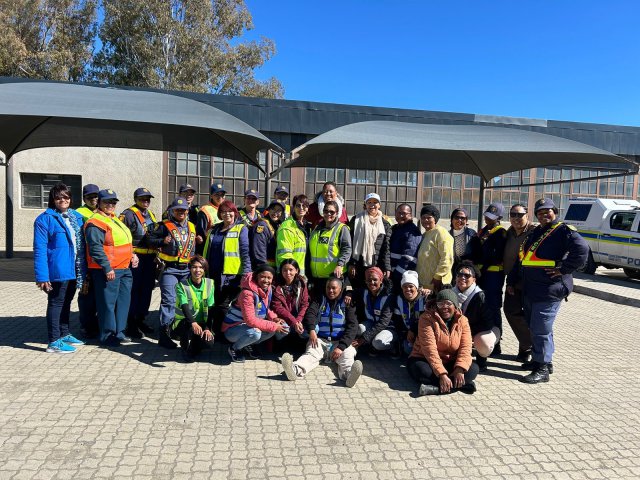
485, 235
331, 321
85, 211
325, 249
291, 242
234, 316
145, 227
410, 311
232, 263
373, 305
118, 246
211, 213
186, 248
197, 301
248, 221
529, 258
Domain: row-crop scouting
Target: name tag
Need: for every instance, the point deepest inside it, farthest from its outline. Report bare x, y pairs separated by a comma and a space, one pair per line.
376, 312
232, 235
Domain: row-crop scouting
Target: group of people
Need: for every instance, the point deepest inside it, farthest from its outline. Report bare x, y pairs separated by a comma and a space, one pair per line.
307, 272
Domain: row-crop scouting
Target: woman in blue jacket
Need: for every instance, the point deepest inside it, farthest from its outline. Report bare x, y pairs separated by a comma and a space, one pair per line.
59, 264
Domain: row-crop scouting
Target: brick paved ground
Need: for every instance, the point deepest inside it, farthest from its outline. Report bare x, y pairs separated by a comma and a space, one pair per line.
138, 413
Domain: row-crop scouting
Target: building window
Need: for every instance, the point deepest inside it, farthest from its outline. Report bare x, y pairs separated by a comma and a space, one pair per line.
225, 165
35, 189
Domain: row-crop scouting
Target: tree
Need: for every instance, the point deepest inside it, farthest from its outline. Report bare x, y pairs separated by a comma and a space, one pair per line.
183, 45
48, 39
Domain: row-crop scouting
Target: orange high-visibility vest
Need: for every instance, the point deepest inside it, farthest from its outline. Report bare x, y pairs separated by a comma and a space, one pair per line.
118, 243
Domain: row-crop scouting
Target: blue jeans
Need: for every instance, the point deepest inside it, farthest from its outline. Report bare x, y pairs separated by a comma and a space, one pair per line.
168, 281
540, 317
243, 335
58, 308
144, 280
112, 299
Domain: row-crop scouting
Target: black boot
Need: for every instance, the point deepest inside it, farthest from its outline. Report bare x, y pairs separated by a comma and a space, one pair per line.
482, 363
428, 390
539, 375
532, 365
132, 329
524, 356
164, 339
143, 327
497, 350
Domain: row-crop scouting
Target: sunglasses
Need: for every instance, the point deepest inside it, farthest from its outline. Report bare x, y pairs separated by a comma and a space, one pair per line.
62, 198
460, 218
329, 212
444, 304
111, 202
91, 197
517, 214
464, 275
301, 205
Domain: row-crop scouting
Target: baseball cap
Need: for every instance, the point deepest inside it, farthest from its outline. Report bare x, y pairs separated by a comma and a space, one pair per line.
543, 204
217, 188
179, 203
281, 189
185, 187
90, 189
494, 211
107, 194
142, 192
372, 195
251, 192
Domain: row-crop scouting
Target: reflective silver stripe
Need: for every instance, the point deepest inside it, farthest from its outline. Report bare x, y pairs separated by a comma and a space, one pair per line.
337, 228
231, 254
284, 250
300, 250
399, 269
397, 256
321, 260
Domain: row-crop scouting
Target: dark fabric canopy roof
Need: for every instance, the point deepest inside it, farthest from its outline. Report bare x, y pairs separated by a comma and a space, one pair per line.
45, 114
474, 149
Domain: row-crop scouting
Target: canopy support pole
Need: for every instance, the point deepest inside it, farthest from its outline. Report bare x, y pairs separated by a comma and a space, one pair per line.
8, 185
267, 177
483, 186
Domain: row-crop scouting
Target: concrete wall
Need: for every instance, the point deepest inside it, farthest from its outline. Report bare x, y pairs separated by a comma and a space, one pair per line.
122, 170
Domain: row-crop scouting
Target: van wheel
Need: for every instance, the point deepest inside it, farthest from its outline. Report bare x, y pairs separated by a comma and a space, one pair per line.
632, 273
590, 266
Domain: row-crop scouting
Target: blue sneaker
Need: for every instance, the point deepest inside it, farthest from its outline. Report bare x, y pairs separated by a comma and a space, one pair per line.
60, 347
71, 340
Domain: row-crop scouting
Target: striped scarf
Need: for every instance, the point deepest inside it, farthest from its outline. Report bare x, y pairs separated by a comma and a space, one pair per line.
80, 264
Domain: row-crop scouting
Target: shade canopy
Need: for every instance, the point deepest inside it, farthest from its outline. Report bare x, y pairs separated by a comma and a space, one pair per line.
474, 149
42, 114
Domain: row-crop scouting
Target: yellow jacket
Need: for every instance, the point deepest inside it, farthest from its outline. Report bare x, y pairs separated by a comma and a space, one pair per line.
435, 257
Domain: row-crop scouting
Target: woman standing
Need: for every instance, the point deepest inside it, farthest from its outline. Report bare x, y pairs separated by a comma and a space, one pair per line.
110, 247
329, 194
292, 238
441, 357
329, 247
370, 234
461, 234
227, 251
435, 255
59, 264
263, 236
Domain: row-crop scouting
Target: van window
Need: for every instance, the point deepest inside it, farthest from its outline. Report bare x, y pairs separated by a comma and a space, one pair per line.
578, 212
622, 221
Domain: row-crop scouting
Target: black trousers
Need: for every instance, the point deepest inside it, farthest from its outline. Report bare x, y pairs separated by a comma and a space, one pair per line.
190, 343
421, 371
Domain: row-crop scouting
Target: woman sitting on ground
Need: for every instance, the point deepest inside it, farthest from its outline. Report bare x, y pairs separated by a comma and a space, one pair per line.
374, 308
484, 332
291, 296
409, 306
331, 326
441, 358
250, 320
194, 298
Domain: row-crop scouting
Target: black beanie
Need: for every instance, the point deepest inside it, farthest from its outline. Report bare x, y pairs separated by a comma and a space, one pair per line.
432, 210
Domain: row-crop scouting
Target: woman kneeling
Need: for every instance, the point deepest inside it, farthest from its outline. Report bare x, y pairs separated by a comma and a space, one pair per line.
250, 320
332, 327
441, 357
194, 298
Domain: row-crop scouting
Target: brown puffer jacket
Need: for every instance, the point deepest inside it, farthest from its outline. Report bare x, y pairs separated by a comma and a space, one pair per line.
439, 346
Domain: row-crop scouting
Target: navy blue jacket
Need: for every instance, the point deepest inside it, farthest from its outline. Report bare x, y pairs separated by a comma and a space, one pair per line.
263, 242
403, 247
487, 253
567, 248
53, 253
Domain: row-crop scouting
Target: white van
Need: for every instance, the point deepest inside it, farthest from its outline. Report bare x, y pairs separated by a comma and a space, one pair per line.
612, 230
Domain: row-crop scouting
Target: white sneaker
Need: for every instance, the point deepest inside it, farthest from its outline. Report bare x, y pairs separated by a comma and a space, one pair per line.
354, 374
287, 365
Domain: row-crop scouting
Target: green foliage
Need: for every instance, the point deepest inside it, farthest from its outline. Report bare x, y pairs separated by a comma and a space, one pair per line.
49, 39
193, 45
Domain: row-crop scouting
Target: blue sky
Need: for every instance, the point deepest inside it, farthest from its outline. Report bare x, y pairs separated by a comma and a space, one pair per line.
560, 60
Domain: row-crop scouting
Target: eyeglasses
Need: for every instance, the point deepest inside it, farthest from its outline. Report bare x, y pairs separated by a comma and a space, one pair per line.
517, 214
301, 205
462, 219
464, 275
329, 212
445, 304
